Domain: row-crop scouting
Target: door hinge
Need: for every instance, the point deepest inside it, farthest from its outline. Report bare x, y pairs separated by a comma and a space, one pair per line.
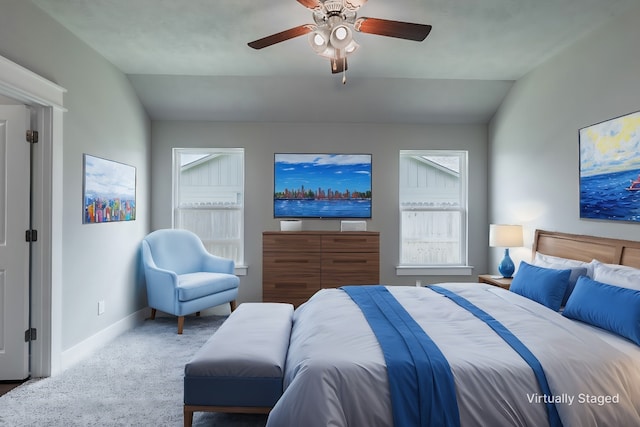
32, 136
30, 334
31, 235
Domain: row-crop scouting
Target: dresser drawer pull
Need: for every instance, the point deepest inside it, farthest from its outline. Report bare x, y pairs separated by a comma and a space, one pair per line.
349, 261
290, 285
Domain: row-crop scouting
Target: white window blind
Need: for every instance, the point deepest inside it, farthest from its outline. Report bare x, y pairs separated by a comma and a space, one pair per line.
208, 198
433, 208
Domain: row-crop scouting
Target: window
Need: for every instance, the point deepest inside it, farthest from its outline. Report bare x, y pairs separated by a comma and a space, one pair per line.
433, 208
208, 198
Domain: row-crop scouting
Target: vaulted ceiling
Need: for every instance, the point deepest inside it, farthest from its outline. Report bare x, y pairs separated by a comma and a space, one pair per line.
189, 59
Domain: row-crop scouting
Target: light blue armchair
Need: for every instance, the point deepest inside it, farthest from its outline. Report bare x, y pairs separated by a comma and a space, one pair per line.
182, 277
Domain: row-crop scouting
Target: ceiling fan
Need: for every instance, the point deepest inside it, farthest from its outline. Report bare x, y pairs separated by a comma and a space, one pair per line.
332, 34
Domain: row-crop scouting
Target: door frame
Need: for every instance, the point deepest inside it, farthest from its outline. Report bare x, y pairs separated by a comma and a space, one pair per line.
46, 99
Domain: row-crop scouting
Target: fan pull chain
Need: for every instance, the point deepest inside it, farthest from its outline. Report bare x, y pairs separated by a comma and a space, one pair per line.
344, 70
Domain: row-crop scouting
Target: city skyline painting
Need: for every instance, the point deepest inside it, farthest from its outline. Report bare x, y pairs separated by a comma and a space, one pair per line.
109, 191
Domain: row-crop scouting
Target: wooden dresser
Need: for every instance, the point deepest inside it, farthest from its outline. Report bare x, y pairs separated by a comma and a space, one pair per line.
296, 264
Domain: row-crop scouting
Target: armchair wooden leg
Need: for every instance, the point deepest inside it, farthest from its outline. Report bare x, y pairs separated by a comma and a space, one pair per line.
197, 314
180, 324
233, 305
153, 314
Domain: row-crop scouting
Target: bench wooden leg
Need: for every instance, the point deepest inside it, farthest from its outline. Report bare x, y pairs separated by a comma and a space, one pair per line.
188, 416
180, 324
153, 314
233, 305
190, 409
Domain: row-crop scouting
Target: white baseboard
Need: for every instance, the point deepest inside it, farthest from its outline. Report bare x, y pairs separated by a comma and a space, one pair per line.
85, 348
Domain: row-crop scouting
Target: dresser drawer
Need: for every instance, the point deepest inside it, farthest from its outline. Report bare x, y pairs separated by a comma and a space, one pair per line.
290, 289
291, 263
290, 242
350, 268
346, 242
294, 290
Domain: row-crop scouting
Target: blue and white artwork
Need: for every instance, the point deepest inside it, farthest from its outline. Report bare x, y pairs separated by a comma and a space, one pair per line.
322, 186
610, 169
109, 191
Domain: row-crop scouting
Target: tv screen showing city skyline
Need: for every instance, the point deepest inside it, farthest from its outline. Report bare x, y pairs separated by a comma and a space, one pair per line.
322, 185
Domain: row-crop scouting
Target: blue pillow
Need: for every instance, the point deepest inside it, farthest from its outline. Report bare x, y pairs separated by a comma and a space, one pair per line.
543, 285
609, 307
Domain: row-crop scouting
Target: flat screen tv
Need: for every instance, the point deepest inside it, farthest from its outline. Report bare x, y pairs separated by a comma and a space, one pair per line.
322, 186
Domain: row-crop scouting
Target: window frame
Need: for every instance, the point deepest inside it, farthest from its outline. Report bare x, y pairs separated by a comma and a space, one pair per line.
462, 268
177, 153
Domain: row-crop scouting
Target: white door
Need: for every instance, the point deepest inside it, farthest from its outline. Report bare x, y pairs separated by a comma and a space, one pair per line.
14, 250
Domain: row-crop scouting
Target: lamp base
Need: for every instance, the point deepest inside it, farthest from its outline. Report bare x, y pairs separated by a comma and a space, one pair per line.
506, 266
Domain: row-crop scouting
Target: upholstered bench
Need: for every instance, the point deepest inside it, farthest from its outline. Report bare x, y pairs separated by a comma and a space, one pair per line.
240, 368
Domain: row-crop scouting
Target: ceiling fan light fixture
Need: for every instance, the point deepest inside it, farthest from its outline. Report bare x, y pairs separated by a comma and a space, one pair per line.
319, 40
352, 47
341, 36
332, 34
341, 33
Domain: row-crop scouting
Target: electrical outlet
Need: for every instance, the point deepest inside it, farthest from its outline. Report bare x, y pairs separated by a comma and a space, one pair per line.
100, 307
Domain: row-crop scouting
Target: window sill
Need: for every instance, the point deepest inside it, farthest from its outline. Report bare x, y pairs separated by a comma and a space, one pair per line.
241, 270
434, 270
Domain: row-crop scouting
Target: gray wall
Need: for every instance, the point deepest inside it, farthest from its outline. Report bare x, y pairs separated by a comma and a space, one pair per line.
262, 140
105, 119
533, 139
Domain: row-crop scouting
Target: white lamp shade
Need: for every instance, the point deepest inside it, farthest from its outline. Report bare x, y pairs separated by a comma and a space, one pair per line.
505, 236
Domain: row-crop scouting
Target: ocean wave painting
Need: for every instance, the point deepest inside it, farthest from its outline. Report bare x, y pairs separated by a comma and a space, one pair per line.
610, 169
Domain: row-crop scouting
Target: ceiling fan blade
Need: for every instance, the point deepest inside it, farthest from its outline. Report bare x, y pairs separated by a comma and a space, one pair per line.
338, 65
281, 36
398, 29
310, 4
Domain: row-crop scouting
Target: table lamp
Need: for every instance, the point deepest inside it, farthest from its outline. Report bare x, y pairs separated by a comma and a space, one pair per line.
505, 236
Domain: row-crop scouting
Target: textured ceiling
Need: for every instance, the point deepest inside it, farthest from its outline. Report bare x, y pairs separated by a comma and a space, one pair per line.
169, 47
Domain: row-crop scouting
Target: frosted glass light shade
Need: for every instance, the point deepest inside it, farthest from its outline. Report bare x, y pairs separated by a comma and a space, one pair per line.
340, 37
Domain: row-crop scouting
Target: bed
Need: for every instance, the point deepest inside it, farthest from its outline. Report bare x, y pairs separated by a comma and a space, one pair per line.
336, 371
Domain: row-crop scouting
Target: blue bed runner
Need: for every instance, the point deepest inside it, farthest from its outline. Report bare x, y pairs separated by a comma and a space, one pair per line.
420, 379
514, 342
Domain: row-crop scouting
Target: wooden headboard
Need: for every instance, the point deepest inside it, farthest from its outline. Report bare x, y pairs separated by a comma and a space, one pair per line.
586, 248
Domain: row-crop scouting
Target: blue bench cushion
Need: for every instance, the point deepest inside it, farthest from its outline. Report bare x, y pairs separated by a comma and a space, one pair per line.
242, 364
196, 285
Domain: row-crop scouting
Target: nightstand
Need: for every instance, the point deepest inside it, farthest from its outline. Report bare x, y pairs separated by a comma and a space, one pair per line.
501, 282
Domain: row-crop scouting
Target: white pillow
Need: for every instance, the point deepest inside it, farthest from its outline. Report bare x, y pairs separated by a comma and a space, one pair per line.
617, 275
549, 261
